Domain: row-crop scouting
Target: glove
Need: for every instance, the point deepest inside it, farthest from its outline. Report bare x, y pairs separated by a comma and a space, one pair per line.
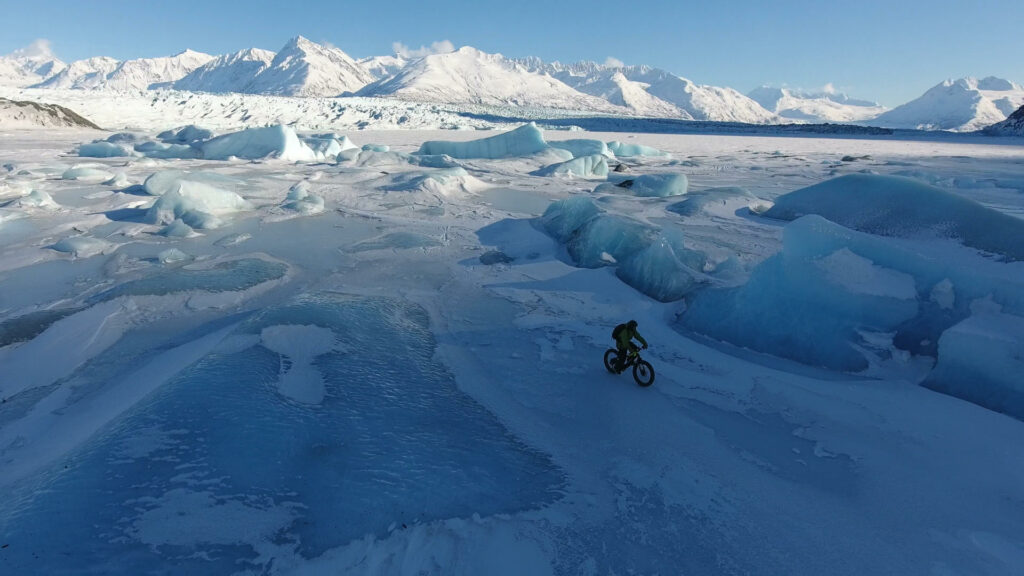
644, 347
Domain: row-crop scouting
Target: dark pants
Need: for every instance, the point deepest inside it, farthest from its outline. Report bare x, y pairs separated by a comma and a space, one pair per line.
623, 352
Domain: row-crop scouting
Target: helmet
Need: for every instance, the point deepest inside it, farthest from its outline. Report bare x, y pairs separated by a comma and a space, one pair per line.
631, 324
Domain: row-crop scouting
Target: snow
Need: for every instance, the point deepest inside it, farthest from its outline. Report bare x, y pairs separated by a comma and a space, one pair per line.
410, 380
227, 73
471, 76
961, 105
305, 68
815, 107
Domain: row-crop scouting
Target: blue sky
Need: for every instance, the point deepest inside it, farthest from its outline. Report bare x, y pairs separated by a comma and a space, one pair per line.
888, 51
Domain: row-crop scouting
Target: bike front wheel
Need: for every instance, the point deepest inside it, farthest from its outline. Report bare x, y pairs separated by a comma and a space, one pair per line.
611, 357
643, 373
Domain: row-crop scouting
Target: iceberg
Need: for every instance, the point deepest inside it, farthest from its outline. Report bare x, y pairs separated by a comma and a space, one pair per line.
648, 186
280, 142
564, 217
606, 239
197, 199
185, 135
300, 200
903, 207
162, 150
659, 272
178, 229
84, 246
37, 199
623, 150
981, 360
595, 166
442, 181
523, 141
582, 147
104, 149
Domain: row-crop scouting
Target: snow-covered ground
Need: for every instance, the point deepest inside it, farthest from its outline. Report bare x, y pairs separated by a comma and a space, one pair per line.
386, 365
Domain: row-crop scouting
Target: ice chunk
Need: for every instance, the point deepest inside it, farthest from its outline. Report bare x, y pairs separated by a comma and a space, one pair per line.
659, 273
564, 217
376, 148
280, 142
728, 199
162, 150
120, 180
192, 198
943, 294
580, 147
172, 256
902, 207
300, 200
607, 239
104, 149
178, 229
595, 166
37, 199
648, 185
84, 246
87, 173
300, 344
523, 141
981, 360
185, 135
811, 301
624, 150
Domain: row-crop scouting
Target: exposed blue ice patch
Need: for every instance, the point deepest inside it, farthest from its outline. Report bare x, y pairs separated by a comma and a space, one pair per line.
665, 270
395, 241
523, 141
564, 217
230, 276
903, 207
392, 441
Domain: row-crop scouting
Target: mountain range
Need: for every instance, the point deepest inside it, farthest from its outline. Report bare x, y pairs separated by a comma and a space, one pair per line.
303, 68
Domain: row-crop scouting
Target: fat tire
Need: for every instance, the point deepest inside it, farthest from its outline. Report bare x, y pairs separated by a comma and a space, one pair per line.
643, 373
610, 357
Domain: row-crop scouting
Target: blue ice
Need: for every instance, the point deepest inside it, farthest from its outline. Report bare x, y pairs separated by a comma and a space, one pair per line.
219, 472
523, 141
595, 166
903, 207
582, 147
624, 150
648, 186
230, 276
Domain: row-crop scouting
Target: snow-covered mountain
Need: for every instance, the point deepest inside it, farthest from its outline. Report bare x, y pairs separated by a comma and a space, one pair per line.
29, 65
82, 74
1012, 126
228, 73
305, 68
470, 76
383, 66
655, 92
815, 106
958, 105
104, 73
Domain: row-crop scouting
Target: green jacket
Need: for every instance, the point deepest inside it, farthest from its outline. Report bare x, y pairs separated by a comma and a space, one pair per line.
626, 336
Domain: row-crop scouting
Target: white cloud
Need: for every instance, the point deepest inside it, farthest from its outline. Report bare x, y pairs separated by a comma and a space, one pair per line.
613, 62
40, 48
441, 47
829, 88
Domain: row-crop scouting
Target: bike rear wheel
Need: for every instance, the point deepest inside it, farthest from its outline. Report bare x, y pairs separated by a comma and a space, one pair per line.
611, 357
643, 373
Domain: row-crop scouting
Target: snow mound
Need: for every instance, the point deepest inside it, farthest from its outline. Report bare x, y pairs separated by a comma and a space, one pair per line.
624, 150
84, 246
196, 199
87, 173
594, 167
582, 147
717, 200
981, 360
523, 141
648, 186
443, 182
280, 142
902, 207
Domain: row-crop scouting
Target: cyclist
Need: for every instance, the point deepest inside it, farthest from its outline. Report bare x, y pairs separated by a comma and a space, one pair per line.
624, 335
